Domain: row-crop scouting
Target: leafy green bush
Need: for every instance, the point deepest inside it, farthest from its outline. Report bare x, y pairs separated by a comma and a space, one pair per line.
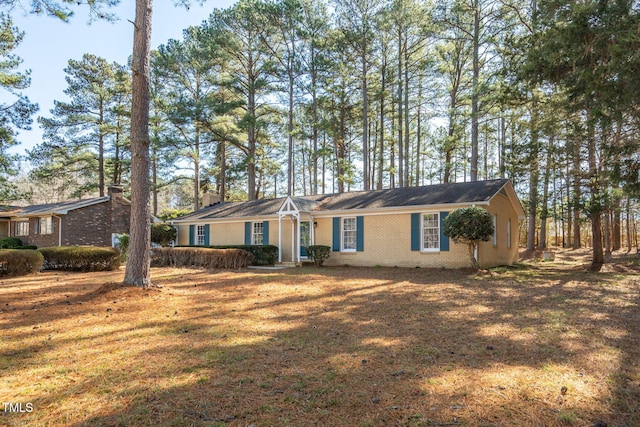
200, 257
470, 226
123, 246
10, 243
318, 254
163, 234
80, 258
18, 262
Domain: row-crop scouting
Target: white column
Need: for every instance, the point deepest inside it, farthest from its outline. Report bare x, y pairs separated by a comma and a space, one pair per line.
293, 240
298, 240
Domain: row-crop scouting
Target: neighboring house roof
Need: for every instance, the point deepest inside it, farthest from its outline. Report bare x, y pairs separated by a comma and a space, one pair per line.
439, 194
50, 209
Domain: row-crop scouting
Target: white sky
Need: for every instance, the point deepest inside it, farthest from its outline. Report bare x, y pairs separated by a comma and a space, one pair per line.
48, 45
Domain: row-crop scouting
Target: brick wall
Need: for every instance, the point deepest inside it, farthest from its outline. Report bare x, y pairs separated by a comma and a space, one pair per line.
387, 241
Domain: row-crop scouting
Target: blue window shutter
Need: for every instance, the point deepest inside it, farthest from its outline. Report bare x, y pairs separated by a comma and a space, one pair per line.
415, 231
192, 234
247, 233
206, 234
444, 240
360, 233
336, 234
265, 232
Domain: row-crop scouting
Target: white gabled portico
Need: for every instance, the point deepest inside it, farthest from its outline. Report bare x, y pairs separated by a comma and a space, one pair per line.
301, 229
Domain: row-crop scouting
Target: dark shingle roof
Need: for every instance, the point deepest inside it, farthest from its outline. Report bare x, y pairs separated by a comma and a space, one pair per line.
50, 208
439, 194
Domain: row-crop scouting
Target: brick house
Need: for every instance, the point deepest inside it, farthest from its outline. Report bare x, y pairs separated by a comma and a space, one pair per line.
393, 227
91, 222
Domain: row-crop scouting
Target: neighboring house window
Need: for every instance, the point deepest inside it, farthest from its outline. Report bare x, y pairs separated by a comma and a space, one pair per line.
200, 239
44, 225
257, 233
22, 228
349, 234
494, 236
509, 232
431, 232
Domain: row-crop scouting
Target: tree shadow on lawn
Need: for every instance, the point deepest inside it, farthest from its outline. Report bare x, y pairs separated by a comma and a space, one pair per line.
349, 347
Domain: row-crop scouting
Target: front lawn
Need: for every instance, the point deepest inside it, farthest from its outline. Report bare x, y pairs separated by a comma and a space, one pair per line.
542, 344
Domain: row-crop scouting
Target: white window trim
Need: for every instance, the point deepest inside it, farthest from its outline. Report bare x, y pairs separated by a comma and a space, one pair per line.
47, 230
254, 234
422, 248
16, 227
200, 235
342, 231
509, 233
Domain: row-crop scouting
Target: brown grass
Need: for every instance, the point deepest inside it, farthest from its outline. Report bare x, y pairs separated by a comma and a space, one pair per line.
542, 344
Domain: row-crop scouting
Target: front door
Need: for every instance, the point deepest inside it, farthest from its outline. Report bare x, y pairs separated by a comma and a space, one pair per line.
305, 237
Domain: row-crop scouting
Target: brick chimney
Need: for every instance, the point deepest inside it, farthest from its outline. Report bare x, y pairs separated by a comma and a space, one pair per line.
209, 199
115, 191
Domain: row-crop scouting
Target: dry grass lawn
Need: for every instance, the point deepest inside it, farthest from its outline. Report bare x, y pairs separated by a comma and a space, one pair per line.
540, 344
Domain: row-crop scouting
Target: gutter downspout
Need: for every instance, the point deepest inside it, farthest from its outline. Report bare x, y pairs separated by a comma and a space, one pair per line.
59, 228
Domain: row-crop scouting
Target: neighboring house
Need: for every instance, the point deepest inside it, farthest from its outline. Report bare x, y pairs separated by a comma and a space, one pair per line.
394, 227
83, 222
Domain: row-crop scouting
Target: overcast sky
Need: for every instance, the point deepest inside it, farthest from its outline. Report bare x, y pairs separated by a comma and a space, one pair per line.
49, 44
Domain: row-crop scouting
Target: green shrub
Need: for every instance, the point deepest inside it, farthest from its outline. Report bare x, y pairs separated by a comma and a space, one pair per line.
123, 246
470, 226
81, 258
318, 254
18, 262
10, 243
262, 254
200, 257
163, 234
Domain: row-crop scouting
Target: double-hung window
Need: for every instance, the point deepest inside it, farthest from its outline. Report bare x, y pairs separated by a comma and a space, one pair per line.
45, 225
22, 228
200, 235
431, 232
349, 234
257, 233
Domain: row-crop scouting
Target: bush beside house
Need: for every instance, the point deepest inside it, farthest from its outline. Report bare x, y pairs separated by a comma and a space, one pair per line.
19, 262
80, 258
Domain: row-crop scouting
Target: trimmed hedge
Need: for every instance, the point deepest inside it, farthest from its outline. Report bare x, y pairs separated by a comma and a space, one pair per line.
200, 257
318, 254
19, 262
262, 254
80, 258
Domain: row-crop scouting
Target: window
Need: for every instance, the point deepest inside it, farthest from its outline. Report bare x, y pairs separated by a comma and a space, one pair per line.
494, 236
349, 234
200, 235
431, 232
22, 228
257, 233
44, 225
509, 232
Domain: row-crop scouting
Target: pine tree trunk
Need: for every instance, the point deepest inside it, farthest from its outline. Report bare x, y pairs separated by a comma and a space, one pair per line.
138, 272
475, 92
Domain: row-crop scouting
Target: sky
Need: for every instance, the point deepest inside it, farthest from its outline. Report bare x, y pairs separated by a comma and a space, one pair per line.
49, 43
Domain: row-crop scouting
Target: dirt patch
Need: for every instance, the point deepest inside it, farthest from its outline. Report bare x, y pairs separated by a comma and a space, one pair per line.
541, 343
